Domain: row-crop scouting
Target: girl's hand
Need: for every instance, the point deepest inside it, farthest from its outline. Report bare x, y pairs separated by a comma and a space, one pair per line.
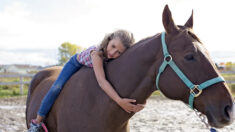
127, 105
139, 107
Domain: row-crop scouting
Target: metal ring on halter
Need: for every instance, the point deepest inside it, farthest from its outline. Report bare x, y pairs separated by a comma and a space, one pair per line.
168, 58
195, 91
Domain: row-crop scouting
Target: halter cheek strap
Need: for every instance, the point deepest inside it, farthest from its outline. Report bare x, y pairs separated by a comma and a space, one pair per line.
195, 90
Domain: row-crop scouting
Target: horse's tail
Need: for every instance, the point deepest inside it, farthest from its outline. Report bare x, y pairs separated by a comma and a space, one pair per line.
36, 80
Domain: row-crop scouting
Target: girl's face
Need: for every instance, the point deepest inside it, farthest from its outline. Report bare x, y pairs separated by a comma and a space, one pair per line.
115, 48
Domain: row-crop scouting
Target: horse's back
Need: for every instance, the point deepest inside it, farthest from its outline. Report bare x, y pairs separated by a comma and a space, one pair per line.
39, 86
81, 106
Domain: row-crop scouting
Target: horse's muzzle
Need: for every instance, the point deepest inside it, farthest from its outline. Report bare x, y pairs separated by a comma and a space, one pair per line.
226, 116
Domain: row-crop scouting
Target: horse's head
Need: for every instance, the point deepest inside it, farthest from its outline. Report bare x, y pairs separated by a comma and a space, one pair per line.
192, 58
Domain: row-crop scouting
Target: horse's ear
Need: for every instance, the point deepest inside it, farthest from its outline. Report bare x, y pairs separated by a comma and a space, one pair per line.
189, 23
168, 21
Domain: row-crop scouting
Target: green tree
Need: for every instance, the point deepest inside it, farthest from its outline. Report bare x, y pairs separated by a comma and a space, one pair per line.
228, 66
66, 51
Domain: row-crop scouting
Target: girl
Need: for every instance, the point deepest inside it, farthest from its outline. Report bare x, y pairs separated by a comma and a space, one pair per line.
112, 46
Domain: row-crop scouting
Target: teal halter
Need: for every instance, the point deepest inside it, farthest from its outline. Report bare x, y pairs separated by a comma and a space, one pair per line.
195, 90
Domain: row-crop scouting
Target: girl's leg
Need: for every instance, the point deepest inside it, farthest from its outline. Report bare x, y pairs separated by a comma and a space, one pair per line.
69, 69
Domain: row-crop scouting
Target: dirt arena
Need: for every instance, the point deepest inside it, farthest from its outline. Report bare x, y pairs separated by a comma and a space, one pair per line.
159, 115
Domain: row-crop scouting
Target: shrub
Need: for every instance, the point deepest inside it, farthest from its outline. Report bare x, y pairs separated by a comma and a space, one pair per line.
5, 87
232, 86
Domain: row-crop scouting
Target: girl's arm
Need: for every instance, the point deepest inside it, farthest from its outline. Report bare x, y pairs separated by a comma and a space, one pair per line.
126, 104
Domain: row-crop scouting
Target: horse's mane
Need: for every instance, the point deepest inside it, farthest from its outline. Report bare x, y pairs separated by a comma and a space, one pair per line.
142, 42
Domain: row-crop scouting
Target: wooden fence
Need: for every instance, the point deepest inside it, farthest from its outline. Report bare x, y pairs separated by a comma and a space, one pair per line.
22, 76
21, 82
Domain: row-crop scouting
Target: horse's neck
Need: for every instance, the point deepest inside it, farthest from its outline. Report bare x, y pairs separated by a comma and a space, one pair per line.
133, 74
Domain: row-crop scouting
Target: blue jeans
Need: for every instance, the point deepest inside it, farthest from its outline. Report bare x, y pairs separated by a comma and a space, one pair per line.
69, 69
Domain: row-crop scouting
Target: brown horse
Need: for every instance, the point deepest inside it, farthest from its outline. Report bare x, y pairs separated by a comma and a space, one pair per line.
82, 106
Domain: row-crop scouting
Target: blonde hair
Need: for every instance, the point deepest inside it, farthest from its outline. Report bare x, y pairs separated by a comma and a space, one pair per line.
124, 36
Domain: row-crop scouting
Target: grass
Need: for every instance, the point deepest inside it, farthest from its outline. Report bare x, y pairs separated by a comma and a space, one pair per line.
156, 93
227, 76
12, 91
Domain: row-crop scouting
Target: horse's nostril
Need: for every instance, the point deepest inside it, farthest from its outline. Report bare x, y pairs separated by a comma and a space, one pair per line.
227, 112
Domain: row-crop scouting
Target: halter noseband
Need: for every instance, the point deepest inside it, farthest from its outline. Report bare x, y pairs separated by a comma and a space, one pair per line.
195, 90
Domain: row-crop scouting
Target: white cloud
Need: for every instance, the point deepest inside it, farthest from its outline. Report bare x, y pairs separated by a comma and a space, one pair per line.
32, 57
47, 24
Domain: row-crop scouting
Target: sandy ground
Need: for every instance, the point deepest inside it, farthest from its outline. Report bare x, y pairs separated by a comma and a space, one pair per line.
159, 115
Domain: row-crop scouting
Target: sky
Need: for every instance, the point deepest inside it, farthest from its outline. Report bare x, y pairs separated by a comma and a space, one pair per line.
32, 30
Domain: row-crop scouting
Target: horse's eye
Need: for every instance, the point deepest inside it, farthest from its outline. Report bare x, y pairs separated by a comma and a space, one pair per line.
189, 57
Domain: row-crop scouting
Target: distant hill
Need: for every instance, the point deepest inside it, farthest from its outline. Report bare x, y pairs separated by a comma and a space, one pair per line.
38, 57
223, 56
17, 68
47, 57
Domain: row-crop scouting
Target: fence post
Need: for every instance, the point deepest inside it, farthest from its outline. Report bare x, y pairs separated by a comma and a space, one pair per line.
21, 85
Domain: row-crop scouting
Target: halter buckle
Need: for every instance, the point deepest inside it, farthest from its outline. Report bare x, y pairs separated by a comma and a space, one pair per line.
167, 58
195, 91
